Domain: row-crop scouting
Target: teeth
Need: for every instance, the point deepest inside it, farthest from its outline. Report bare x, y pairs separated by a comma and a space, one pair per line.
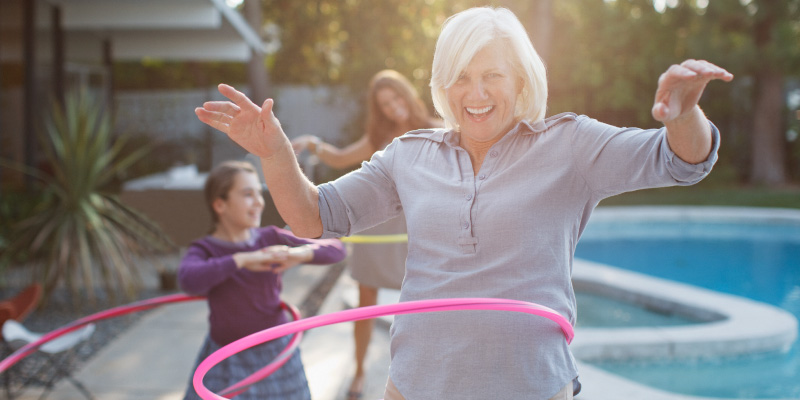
479, 110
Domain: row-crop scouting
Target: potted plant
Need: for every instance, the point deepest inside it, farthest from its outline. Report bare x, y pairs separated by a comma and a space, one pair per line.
80, 233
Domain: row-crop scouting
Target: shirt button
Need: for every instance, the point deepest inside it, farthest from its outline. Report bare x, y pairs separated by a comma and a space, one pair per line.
493, 153
481, 176
466, 225
468, 197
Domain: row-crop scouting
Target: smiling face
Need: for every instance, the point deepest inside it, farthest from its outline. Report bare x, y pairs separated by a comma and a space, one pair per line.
484, 96
241, 208
392, 105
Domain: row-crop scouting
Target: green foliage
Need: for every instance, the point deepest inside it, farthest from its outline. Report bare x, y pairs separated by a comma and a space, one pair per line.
709, 194
333, 41
605, 59
15, 206
162, 75
615, 51
80, 234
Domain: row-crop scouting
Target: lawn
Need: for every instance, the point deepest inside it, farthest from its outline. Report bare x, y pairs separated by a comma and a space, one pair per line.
711, 195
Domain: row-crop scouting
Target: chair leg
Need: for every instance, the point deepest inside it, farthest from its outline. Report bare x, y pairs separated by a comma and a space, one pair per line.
7, 382
55, 364
78, 385
60, 365
81, 388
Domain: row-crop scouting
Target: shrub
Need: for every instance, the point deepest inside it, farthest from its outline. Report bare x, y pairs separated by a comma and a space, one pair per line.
80, 234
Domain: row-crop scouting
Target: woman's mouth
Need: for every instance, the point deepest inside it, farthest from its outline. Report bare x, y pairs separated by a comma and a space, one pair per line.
479, 112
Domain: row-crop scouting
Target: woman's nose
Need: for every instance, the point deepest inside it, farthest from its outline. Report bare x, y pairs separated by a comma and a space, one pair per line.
477, 90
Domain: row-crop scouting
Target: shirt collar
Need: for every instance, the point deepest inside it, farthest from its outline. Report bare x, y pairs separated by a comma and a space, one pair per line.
523, 128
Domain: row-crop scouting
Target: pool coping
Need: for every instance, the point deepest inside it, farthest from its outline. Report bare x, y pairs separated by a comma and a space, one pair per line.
735, 325
747, 326
602, 385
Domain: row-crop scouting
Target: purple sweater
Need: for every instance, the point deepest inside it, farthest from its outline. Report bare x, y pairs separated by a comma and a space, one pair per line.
240, 301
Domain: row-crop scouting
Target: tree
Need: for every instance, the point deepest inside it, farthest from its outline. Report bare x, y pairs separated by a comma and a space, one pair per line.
607, 58
758, 41
772, 20
617, 49
256, 69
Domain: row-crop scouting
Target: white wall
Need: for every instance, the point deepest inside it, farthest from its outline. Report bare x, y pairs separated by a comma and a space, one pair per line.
169, 115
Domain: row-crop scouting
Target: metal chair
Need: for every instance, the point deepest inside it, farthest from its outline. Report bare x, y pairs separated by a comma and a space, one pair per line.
59, 356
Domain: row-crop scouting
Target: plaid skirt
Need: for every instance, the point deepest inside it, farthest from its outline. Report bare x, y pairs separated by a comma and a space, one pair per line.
287, 383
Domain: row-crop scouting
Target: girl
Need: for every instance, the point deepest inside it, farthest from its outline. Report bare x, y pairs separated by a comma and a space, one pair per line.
238, 268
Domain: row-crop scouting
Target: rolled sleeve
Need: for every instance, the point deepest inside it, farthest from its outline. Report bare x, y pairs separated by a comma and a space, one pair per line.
360, 199
686, 173
333, 212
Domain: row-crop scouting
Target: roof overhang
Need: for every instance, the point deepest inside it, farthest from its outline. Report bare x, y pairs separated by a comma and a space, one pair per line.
198, 30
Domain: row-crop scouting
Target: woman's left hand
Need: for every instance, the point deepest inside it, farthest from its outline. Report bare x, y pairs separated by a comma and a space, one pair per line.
680, 88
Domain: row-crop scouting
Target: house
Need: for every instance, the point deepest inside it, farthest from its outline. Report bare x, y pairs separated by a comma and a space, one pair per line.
50, 46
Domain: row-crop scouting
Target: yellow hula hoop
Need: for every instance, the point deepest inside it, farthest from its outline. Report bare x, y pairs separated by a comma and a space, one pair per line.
396, 238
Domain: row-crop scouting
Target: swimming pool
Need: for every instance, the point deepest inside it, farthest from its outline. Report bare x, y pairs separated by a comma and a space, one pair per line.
753, 253
598, 311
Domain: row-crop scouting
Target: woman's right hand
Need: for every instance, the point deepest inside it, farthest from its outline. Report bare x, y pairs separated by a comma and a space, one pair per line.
254, 128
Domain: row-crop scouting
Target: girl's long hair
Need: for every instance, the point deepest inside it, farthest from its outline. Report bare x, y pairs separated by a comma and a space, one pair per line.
381, 130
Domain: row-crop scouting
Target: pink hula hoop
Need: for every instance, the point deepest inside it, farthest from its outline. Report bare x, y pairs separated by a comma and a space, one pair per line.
229, 392
31, 348
355, 314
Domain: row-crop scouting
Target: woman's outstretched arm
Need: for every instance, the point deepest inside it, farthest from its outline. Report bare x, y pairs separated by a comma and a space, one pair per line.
259, 132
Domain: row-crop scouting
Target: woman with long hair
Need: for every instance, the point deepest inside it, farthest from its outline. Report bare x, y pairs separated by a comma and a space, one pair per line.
393, 108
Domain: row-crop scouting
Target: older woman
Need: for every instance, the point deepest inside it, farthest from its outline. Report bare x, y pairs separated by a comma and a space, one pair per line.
495, 203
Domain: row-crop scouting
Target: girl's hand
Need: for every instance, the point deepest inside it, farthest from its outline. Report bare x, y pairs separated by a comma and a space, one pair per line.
256, 261
254, 128
274, 259
288, 257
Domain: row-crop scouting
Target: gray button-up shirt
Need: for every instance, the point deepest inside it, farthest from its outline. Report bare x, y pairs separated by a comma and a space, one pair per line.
508, 231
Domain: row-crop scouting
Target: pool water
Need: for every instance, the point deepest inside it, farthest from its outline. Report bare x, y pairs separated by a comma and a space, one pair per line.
597, 311
760, 261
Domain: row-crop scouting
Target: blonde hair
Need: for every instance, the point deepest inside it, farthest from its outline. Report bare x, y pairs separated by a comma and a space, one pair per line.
380, 129
465, 34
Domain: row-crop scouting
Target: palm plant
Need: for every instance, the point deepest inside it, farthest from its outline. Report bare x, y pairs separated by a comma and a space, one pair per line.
80, 233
